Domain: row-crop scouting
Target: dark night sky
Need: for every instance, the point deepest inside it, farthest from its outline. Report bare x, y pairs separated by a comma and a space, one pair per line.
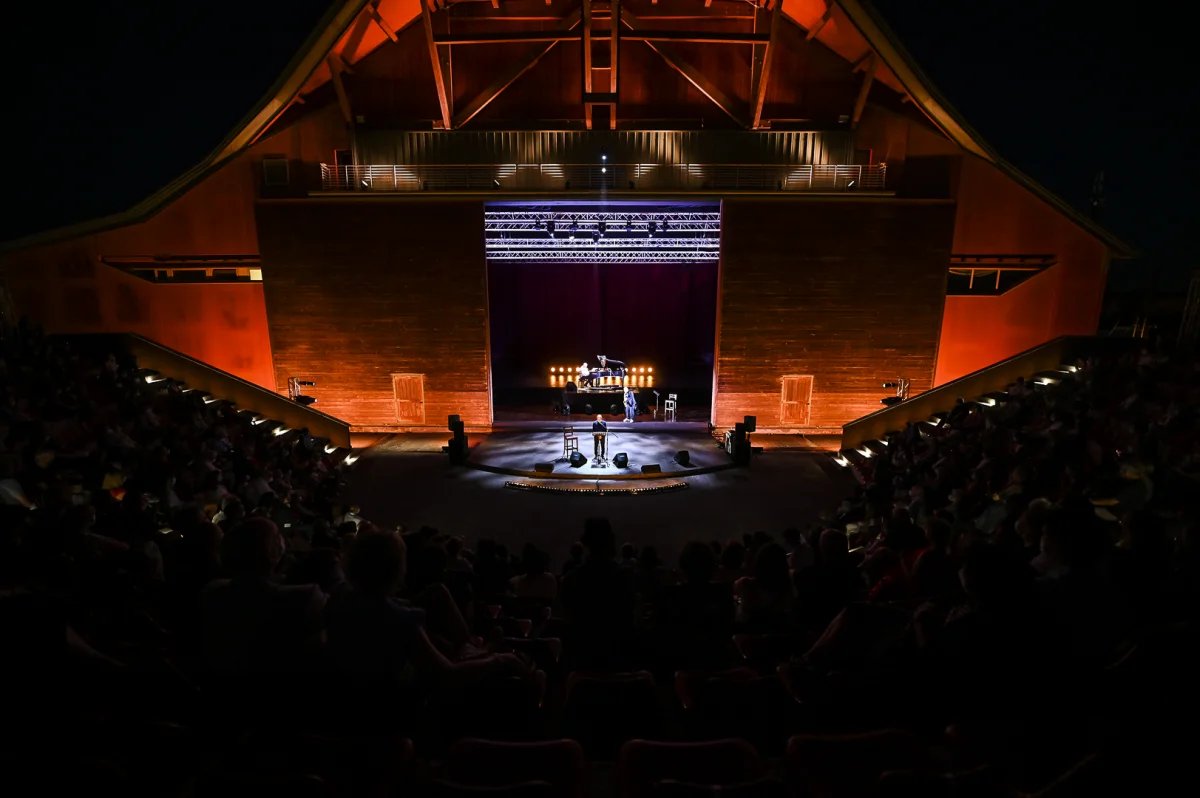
126, 95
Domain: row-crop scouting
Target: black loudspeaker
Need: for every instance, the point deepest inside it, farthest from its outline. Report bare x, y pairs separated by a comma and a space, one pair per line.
751, 423
457, 449
614, 409
453, 422
653, 468
587, 409
578, 460
683, 458
543, 468
621, 460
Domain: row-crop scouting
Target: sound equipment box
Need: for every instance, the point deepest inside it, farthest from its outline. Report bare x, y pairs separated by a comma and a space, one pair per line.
751, 423
543, 468
453, 421
621, 460
578, 460
653, 468
683, 458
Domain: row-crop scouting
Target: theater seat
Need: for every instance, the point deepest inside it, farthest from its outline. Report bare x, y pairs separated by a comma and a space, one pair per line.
604, 710
646, 767
735, 703
449, 789
849, 765
489, 763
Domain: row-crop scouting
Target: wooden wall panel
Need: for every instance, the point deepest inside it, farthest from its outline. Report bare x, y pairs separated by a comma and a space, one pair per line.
66, 289
850, 291
359, 290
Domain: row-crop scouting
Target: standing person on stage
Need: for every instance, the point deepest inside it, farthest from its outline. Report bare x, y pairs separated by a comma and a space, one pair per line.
630, 405
599, 426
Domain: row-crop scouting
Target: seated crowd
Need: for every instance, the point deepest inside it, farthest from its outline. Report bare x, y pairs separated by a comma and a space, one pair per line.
1012, 589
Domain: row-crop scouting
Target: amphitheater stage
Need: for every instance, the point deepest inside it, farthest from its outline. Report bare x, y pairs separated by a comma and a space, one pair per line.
517, 449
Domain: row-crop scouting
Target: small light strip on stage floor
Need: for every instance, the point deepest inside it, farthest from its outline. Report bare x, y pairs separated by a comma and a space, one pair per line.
537, 487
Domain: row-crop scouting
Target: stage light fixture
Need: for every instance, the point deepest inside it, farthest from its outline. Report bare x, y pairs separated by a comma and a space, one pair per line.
603, 170
330, 448
664, 224
603, 227
651, 229
550, 227
651, 370
604, 156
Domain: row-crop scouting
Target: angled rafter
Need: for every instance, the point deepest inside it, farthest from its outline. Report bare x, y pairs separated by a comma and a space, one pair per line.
336, 67
821, 23
690, 73
615, 49
860, 102
508, 78
436, 59
380, 22
763, 76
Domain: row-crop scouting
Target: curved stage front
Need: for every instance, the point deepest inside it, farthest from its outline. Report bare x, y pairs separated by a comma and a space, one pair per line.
518, 450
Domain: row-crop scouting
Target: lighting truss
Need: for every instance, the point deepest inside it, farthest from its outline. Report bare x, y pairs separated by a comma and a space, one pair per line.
582, 255
535, 221
585, 236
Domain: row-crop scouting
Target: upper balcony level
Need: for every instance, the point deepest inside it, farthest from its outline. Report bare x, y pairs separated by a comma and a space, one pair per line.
600, 160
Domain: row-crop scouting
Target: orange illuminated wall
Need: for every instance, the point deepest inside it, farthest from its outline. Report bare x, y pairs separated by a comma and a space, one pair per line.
996, 215
224, 325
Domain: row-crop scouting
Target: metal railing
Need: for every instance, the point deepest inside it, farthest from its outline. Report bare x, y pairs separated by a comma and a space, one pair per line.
598, 177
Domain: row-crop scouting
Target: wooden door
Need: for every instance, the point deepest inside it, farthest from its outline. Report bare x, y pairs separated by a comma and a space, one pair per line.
797, 400
409, 390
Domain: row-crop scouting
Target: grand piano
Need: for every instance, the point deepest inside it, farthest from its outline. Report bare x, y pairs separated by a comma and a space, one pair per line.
609, 377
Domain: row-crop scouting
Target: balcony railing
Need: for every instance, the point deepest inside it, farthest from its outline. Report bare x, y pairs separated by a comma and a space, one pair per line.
597, 177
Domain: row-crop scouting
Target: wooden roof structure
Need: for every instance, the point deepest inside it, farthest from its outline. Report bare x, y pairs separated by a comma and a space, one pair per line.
353, 29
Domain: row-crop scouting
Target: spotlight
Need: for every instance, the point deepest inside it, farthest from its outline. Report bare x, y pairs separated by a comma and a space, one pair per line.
603, 227
604, 156
651, 229
550, 227
651, 370
664, 225
603, 170
595, 237
574, 223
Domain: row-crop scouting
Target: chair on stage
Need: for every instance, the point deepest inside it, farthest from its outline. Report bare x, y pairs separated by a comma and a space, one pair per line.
669, 407
570, 442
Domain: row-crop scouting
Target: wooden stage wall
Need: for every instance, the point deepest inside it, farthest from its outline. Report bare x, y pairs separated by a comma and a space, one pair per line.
849, 291
359, 290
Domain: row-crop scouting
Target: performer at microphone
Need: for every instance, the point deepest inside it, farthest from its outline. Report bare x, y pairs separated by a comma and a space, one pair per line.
599, 427
630, 405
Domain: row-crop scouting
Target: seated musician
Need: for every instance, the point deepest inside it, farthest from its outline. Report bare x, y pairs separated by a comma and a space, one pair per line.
585, 375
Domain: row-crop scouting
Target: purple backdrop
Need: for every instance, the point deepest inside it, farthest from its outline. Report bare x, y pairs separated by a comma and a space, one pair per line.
545, 314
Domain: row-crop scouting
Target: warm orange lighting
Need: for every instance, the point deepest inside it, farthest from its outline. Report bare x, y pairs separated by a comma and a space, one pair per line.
651, 370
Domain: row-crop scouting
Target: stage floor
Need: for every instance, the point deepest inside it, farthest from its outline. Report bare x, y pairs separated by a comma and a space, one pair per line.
518, 448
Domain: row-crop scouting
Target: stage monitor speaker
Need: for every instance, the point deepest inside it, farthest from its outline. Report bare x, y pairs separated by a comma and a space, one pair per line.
653, 468
587, 409
578, 460
751, 423
621, 460
614, 409
543, 468
683, 458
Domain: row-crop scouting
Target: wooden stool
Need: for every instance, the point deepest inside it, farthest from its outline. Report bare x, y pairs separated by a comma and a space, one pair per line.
570, 443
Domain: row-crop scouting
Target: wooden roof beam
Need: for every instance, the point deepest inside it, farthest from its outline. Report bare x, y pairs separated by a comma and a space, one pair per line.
690, 73
507, 78
438, 78
763, 76
339, 88
860, 102
632, 34
380, 22
821, 23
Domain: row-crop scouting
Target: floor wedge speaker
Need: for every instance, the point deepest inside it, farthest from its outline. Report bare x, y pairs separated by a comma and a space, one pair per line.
652, 468
621, 460
578, 460
543, 468
683, 458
